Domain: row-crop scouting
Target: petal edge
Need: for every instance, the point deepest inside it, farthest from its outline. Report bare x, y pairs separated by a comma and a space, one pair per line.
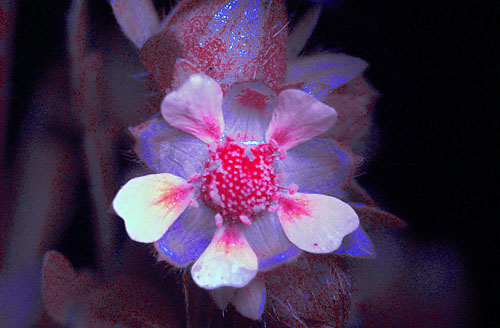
316, 223
294, 107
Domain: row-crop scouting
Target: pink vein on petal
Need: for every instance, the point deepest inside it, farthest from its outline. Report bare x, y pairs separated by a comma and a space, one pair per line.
294, 208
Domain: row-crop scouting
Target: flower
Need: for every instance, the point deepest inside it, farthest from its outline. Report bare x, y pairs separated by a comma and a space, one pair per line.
228, 200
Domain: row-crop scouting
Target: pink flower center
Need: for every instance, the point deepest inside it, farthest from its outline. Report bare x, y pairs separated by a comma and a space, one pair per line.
239, 180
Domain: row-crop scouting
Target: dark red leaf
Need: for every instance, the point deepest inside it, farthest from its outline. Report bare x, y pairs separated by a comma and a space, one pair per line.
124, 299
359, 195
61, 286
201, 32
201, 311
182, 70
311, 291
159, 55
373, 218
353, 102
130, 300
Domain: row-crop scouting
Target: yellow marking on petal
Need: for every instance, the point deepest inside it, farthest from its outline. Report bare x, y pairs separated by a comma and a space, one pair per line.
228, 260
150, 204
316, 223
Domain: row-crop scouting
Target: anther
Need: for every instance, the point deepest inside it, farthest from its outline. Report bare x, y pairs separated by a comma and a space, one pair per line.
194, 203
273, 208
192, 179
243, 183
273, 144
249, 154
245, 220
218, 219
293, 188
281, 153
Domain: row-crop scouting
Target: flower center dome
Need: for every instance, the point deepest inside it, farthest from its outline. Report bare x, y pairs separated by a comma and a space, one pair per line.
239, 180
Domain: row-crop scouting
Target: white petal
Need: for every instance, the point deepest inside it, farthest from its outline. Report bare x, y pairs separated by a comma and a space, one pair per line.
316, 223
150, 204
196, 108
228, 261
250, 300
298, 117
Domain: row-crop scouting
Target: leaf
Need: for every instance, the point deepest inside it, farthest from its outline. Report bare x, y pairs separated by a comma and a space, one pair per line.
179, 32
78, 43
131, 301
189, 19
373, 218
313, 290
74, 298
244, 41
159, 54
61, 286
353, 102
230, 41
358, 194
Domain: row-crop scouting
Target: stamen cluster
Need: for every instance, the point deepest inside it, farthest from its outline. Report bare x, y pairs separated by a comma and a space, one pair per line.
239, 180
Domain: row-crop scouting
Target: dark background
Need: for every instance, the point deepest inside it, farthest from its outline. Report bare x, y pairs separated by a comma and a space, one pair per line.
436, 66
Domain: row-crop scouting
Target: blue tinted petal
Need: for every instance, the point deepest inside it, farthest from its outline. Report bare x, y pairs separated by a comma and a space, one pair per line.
250, 300
168, 150
247, 110
357, 244
269, 242
318, 166
188, 237
222, 295
324, 71
268, 263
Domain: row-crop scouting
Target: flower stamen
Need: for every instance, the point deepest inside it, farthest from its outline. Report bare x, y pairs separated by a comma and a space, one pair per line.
293, 188
193, 178
239, 180
194, 203
245, 220
218, 220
